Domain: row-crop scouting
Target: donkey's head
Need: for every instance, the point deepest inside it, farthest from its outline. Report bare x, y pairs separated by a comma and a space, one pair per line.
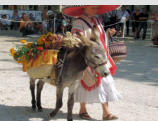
95, 55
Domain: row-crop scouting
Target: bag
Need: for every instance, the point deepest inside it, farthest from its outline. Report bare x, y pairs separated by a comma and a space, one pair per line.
117, 50
155, 40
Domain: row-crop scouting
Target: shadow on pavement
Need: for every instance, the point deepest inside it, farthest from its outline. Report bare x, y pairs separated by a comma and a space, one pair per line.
140, 65
22, 113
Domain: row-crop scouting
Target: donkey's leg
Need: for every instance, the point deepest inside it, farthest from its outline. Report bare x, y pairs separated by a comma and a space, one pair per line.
38, 98
70, 104
59, 103
32, 88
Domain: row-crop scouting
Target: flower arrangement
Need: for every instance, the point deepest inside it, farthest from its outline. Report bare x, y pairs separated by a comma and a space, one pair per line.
32, 50
42, 52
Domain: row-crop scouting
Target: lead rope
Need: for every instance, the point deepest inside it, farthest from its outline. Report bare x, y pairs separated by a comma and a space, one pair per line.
60, 65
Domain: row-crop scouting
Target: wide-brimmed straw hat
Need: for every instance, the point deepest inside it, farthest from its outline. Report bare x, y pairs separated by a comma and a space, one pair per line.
74, 11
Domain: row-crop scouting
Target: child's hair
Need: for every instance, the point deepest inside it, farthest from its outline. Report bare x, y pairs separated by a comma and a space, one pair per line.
4, 16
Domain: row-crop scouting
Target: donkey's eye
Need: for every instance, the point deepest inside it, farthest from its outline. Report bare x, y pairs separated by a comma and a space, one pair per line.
93, 39
96, 57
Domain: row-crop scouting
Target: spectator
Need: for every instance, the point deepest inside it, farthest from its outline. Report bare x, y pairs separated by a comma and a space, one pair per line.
109, 18
45, 26
35, 25
64, 24
31, 17
59, 23
4, 23
26, 26
106, 19
44, 20
154, 18
45, 14
51, 17
38, 27
15, 19
113, 17
127, 22
135, 23
69, 27
122, 16
143, 17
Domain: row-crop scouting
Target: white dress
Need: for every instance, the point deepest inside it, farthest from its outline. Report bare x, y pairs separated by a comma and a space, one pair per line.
106, 91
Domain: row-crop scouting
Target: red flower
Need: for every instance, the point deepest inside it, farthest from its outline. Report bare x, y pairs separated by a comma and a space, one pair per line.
39, 48
43, 39
46, 46
29, 53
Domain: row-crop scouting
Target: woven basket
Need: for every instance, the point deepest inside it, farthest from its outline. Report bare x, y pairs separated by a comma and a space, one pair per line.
117, 59
118, 50
40, 72
43, 66
155, 42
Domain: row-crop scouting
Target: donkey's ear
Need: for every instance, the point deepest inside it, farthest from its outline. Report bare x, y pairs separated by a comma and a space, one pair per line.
96, 31
95, 35
78, 34
83, 40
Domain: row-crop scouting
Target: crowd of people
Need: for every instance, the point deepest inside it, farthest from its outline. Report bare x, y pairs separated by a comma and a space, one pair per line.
27, 24
137, 19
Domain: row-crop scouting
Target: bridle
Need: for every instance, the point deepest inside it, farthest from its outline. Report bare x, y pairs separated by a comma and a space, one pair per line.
96, 65
87, 60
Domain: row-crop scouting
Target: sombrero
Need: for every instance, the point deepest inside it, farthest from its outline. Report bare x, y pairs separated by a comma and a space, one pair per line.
74, 11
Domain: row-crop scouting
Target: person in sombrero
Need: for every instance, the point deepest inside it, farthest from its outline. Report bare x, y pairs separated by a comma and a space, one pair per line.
92, 89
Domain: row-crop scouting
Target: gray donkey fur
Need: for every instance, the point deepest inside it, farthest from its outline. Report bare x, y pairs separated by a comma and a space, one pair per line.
89, 53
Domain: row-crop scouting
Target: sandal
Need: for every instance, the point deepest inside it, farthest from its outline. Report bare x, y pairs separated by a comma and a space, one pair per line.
84, 116
110, 117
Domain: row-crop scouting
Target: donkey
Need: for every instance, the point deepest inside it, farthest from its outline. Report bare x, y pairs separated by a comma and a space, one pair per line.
89, 53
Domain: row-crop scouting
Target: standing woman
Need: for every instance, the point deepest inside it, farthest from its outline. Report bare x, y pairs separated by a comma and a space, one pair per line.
93, 89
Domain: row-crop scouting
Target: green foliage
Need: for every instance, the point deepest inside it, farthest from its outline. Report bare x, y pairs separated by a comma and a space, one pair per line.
27, 52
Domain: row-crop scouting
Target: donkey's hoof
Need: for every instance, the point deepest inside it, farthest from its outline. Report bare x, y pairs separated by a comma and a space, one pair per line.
69, 119
33, 108
48, 117
52, 114
40, 109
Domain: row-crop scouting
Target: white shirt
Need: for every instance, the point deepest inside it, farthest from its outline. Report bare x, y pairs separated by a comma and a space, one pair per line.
4, 22
122, 15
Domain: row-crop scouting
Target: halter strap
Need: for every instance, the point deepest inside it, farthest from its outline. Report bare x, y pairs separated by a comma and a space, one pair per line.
102, 37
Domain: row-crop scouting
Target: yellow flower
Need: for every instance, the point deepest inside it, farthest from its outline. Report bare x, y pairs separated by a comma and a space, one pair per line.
48, 42
40, 42
23, 41
12, 51
29, 44
49, 33
43, 36
19, 61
